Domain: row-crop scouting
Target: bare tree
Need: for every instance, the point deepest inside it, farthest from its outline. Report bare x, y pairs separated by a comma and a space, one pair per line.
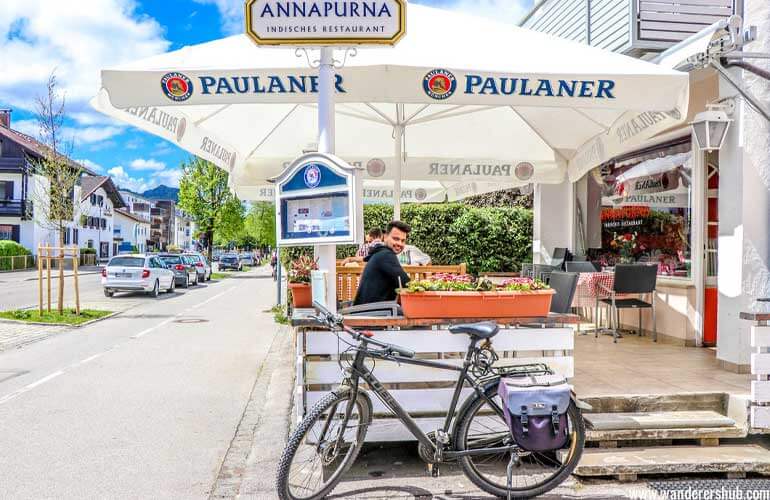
56, 175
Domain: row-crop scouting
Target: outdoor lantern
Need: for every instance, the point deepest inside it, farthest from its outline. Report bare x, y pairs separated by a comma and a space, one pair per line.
710, 128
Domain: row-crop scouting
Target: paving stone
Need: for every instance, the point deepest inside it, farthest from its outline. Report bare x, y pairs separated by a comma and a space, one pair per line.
657, 420
674, 460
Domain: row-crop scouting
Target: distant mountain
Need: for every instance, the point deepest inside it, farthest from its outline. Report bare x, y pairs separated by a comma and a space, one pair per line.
162, 192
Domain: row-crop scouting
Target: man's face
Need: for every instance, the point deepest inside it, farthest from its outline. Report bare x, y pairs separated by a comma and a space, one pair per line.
368, 239
396, 240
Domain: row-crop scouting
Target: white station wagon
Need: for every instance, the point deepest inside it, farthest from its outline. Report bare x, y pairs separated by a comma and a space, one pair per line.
136, 273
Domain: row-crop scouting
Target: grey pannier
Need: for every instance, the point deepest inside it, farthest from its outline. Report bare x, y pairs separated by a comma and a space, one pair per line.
535, 408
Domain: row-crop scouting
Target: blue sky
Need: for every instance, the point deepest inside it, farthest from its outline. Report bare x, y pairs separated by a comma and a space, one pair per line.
77, 38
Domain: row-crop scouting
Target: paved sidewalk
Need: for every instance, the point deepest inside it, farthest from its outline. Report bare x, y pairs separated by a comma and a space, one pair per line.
15, 335
31, 275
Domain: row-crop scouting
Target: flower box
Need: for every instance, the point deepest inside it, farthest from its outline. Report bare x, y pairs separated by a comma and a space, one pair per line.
493, 304
301, 295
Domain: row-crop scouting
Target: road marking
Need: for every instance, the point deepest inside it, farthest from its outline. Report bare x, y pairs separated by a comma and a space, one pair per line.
55, 374
31, 386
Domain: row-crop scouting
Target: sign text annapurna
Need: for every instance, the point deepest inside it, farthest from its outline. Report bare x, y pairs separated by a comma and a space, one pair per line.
325, 22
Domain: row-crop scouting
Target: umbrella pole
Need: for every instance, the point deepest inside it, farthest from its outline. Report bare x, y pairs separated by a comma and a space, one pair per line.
327, 254
399, 148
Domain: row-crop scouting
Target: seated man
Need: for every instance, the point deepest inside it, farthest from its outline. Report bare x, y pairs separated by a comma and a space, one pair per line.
382, 273
373, 239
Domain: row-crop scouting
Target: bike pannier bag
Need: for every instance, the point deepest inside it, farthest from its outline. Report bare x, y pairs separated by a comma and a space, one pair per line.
535, 408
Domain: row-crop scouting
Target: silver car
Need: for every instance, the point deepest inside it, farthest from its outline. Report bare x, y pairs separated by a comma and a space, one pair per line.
136, 273
202, 265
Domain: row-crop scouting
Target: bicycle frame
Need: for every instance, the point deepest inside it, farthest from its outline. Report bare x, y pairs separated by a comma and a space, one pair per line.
360, 371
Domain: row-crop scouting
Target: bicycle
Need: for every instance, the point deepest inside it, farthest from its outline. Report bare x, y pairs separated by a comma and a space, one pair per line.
333, 431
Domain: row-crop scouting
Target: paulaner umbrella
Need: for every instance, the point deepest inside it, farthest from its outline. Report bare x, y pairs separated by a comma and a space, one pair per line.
469, 103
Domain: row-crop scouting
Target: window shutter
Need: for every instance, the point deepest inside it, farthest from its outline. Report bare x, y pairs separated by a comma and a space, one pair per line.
75, 236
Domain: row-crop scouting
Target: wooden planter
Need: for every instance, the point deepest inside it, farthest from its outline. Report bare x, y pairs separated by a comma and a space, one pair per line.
301, 295
500, 304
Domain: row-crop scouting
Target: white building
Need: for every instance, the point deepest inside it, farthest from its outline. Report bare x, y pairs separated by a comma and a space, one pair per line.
709, 211
24, 198
130, 230
184, 229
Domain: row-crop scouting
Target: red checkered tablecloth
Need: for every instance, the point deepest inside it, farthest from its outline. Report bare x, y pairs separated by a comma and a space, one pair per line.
589, 287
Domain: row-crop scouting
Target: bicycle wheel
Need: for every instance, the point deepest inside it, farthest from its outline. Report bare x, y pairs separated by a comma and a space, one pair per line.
314, 461
480, 426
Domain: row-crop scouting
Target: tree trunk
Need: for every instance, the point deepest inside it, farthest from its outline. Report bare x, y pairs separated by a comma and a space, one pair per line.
210, 242
60, 305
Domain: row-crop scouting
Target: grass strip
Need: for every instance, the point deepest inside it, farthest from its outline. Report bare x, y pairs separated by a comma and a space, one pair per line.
67, 317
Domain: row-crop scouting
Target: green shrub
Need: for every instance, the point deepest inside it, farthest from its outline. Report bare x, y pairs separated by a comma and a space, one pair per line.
9, 248
87, 251
487, 239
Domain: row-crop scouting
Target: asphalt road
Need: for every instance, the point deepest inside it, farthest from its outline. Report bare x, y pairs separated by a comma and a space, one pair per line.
20, 289
137, 406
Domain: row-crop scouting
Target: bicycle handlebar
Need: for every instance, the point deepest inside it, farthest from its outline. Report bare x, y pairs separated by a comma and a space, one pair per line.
335, 321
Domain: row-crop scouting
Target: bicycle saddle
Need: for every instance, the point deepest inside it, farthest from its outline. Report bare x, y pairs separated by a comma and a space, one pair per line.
483, 330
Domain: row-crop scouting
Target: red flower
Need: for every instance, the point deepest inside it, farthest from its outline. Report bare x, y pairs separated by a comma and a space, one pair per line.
629, 236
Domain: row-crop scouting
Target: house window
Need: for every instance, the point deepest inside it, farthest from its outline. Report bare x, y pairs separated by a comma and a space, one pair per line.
647, 210
6, 232
90, 243
93, 199
6, 190
75, 236
66, 236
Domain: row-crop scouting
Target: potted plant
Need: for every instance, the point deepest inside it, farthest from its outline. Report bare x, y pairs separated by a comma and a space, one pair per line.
299, 281
462, 296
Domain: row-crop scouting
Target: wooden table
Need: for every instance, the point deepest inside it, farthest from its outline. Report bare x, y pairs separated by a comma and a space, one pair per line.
422, 391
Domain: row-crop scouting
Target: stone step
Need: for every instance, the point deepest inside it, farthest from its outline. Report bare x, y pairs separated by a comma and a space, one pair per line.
656, 420
627, 463
708, 436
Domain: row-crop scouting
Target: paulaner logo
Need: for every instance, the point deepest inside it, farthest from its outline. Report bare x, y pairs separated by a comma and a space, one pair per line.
439, 84
176, 86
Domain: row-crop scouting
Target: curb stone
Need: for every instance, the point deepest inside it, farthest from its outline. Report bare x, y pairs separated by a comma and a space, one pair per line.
59, 325
248, 469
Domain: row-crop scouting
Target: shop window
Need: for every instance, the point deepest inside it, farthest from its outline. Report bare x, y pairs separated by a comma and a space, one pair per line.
646, 210
6, 232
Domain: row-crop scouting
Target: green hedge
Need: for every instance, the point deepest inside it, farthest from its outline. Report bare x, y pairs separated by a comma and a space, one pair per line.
9, 249
487, 239
87, 251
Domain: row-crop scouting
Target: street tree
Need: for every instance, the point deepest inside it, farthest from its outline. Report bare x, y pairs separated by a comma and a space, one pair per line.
56, 175
204, 195
229, 225
260, 223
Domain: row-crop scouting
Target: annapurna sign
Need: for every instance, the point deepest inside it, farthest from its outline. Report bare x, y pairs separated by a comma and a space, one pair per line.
325, 22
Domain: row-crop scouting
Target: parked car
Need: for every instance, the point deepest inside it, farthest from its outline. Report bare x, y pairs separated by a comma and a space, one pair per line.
201, 265
136, 273
185, 273
230, 261
246, 259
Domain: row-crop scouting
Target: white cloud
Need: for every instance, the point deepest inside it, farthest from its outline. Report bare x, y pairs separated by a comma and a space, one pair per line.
76, 40
169, 177
500, 10
142, 164
231, 12
122, 179
91, 165
77, 135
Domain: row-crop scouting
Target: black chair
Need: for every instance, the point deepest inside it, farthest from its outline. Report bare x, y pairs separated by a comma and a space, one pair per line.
565, 285
559, 257
581, 267
543, 272
633, 279
579, 258
526, 270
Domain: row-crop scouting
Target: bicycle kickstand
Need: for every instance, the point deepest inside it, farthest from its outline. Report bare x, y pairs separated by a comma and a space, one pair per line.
511, 463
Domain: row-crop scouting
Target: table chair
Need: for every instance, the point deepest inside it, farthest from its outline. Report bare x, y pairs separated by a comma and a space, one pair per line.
633, 279
526, 270
543, 272
559, 257
581, 267
565, 285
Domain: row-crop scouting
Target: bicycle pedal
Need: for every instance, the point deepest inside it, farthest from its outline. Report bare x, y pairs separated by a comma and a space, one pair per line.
434, 470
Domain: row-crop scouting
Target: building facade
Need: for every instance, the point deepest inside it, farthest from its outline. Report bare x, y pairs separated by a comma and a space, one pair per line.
130, 232
184, 230
702, 217
24, 198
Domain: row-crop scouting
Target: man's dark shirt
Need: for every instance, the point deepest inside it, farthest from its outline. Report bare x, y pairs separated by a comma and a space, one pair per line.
380, 278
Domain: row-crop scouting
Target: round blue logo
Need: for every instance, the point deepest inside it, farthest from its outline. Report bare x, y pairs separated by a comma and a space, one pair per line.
177, 86
312, 176
439, 84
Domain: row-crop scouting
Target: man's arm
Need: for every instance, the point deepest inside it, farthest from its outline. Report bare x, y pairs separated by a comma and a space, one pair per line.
392, 267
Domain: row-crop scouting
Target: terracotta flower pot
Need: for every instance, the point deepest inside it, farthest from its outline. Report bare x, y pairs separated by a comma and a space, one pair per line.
301, 295
500, 304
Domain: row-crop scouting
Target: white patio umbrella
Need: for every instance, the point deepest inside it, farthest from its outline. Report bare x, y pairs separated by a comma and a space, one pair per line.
462, 101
